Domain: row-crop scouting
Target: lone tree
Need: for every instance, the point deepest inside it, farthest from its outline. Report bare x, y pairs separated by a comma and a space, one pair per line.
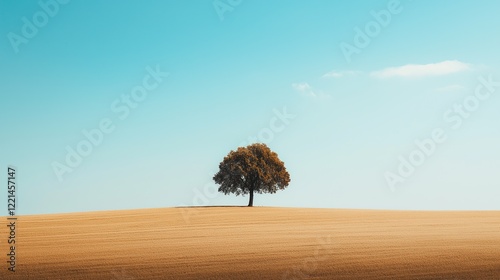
250, 169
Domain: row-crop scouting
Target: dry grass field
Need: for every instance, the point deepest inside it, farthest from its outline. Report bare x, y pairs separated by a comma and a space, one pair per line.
256, 243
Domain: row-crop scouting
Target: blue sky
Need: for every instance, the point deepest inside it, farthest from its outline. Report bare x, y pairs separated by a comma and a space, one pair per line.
178, 84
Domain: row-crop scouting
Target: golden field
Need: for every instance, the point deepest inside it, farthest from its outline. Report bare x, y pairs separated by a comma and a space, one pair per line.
256, 243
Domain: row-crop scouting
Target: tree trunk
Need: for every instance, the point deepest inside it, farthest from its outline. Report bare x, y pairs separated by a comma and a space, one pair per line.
250, 203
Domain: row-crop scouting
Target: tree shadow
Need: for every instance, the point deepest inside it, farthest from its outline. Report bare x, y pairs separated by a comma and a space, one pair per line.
211, 206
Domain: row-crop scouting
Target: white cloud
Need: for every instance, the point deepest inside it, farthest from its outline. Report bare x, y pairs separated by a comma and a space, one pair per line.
302, 87
422, 70
306, 90
341, 74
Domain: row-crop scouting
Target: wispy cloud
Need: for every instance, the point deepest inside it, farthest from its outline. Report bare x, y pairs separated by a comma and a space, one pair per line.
307, 90
423, 70
341, 74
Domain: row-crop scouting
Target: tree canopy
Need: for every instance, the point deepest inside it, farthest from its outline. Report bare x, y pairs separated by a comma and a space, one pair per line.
251, 169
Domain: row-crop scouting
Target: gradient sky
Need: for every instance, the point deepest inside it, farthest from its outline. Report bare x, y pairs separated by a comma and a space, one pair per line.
232, 73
